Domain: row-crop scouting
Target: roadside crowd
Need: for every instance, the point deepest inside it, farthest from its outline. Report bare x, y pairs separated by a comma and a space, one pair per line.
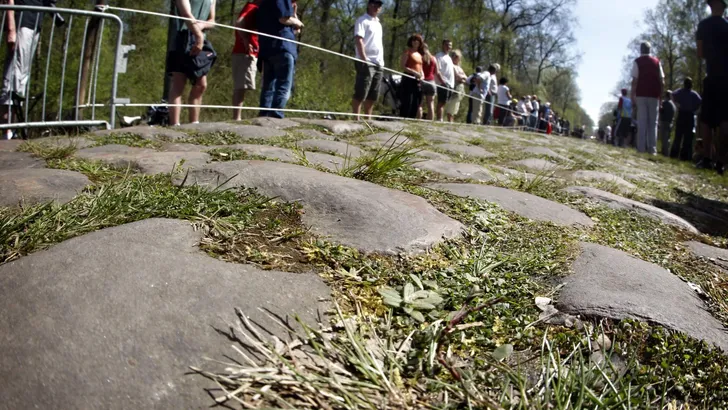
433, 87
647, 113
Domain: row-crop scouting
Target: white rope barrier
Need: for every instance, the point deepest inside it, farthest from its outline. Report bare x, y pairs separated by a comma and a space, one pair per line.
170, 16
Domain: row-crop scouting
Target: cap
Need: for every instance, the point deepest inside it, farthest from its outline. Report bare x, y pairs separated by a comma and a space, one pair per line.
497, 66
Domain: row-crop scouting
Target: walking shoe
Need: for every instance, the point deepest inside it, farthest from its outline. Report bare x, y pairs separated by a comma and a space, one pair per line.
704, 164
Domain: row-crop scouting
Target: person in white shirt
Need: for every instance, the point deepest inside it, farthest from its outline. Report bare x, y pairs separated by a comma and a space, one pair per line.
447, 73
482, 81
504, 98
492, 89
522, 110
529, 109
370, 50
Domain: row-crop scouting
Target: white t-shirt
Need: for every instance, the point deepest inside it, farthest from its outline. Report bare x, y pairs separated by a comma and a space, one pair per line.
608, 131
522, 107
370, 30
447, 68
503, 95
636, 70
493, 86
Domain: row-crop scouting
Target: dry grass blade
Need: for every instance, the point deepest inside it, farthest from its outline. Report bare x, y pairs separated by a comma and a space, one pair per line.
316, 370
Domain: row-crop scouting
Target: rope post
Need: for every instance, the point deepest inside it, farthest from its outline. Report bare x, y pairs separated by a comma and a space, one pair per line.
90, 41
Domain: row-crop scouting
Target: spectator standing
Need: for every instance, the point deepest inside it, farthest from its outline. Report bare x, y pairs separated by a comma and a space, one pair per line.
410, 88
22, 37
370, 51
536, 109
688, 103
545, 116
624, 120
278, 18
712, 37
521, 109
490, 98
453, 105
479, 93
472, 85
667, 115
447, 77
189, 56
245, 56
504, 99
529, 109
648, 81
431, 72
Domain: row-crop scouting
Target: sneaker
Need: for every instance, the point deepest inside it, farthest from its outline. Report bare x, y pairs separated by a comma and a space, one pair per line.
704, 164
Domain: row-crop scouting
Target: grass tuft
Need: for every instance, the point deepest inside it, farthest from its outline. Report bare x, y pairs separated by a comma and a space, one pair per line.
49, 151
127, 200
393, 156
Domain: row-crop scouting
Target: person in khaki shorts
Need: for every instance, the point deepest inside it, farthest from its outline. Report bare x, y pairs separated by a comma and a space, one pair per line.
370, 52
245, 56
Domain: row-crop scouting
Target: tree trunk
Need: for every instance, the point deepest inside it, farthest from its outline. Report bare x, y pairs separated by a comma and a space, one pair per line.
92, 36
395, 33
324, 34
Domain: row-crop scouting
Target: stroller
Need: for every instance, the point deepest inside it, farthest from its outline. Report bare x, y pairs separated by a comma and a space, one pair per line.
389, 89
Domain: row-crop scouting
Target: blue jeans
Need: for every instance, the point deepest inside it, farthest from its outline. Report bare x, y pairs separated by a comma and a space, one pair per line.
277, 83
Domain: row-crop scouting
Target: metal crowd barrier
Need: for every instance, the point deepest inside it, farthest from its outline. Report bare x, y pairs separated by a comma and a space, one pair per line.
89, 63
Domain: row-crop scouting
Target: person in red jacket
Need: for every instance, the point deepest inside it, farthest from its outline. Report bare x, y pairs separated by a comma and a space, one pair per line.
648, 81
245, 56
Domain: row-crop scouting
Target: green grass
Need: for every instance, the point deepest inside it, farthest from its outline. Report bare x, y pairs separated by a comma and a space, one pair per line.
129, 139
49, 152
127, 200
471, 337
392, 157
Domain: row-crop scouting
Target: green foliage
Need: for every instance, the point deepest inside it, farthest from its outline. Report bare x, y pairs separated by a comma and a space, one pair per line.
410, 300
127, 200
392, 157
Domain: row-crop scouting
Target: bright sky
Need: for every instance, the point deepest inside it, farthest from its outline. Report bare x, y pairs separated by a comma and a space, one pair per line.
605, 29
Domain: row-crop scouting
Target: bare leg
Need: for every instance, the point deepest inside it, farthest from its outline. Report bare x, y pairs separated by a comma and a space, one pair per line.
238, 99
450, 118
430, 107
369, 108
196, 98
440, 110
176, 89
356, 107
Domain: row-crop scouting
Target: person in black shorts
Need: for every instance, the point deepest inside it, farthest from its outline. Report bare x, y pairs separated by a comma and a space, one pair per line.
712, 37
